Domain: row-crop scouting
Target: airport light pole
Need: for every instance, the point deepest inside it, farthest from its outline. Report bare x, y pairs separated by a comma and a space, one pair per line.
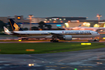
98, 16
30, 18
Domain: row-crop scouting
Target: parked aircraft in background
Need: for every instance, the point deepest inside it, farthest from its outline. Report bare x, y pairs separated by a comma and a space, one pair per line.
101, 27
53, 34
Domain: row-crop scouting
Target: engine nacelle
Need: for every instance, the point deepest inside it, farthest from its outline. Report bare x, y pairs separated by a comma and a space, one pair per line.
67, 37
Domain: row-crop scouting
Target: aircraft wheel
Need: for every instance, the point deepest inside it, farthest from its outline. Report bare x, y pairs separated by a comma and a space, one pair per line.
54, 41
51, 40
95, 40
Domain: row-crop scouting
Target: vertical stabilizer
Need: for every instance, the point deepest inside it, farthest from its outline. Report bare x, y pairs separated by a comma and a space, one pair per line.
15, 27
102, 25
80, 25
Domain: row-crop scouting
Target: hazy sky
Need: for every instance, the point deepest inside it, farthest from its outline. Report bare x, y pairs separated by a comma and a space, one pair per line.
50, 8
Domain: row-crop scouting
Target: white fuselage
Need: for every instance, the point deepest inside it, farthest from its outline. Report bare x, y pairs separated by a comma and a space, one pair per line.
44, 33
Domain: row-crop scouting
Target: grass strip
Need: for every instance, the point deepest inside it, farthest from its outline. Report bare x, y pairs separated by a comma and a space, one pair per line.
20, 48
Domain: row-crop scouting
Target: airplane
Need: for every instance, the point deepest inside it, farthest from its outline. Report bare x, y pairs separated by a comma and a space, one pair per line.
53, 34
73, 28
100, 28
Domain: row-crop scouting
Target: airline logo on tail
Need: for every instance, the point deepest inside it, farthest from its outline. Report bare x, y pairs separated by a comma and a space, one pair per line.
14, 26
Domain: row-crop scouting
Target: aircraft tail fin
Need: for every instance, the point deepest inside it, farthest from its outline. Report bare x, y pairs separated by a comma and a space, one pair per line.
15, 26
102, 25
80, 25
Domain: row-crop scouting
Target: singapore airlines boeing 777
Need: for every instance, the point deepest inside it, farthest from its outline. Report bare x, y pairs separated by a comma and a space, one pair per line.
54, 34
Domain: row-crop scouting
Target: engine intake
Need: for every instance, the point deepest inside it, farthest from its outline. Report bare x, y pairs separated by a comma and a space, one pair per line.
67, 37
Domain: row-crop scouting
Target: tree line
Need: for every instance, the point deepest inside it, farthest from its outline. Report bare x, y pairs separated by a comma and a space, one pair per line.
42, 26
2, 24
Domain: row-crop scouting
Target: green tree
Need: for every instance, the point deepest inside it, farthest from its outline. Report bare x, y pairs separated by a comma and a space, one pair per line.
9, 27
41, 25
49, 27
34, 28
2, 24
25, 28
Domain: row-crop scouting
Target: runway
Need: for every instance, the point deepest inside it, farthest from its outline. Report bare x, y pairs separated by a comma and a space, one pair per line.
48, 41
43, 41
86, 59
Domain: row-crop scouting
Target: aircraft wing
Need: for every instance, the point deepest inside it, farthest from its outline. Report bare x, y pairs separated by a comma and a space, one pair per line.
56, 35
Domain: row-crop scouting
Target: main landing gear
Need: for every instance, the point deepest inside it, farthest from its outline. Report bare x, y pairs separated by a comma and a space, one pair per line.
93, 40
54, 39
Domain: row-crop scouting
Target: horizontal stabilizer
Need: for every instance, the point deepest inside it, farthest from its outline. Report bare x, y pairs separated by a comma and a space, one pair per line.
6, 31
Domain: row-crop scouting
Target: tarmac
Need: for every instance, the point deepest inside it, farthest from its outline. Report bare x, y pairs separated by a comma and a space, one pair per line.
81, 60
76, 60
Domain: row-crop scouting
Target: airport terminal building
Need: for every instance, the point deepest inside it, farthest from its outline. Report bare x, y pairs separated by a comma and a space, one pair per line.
55, 22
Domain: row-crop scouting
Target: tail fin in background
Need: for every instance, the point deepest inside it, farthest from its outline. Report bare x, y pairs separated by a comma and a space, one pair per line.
14, 26
80, 25
102, 25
